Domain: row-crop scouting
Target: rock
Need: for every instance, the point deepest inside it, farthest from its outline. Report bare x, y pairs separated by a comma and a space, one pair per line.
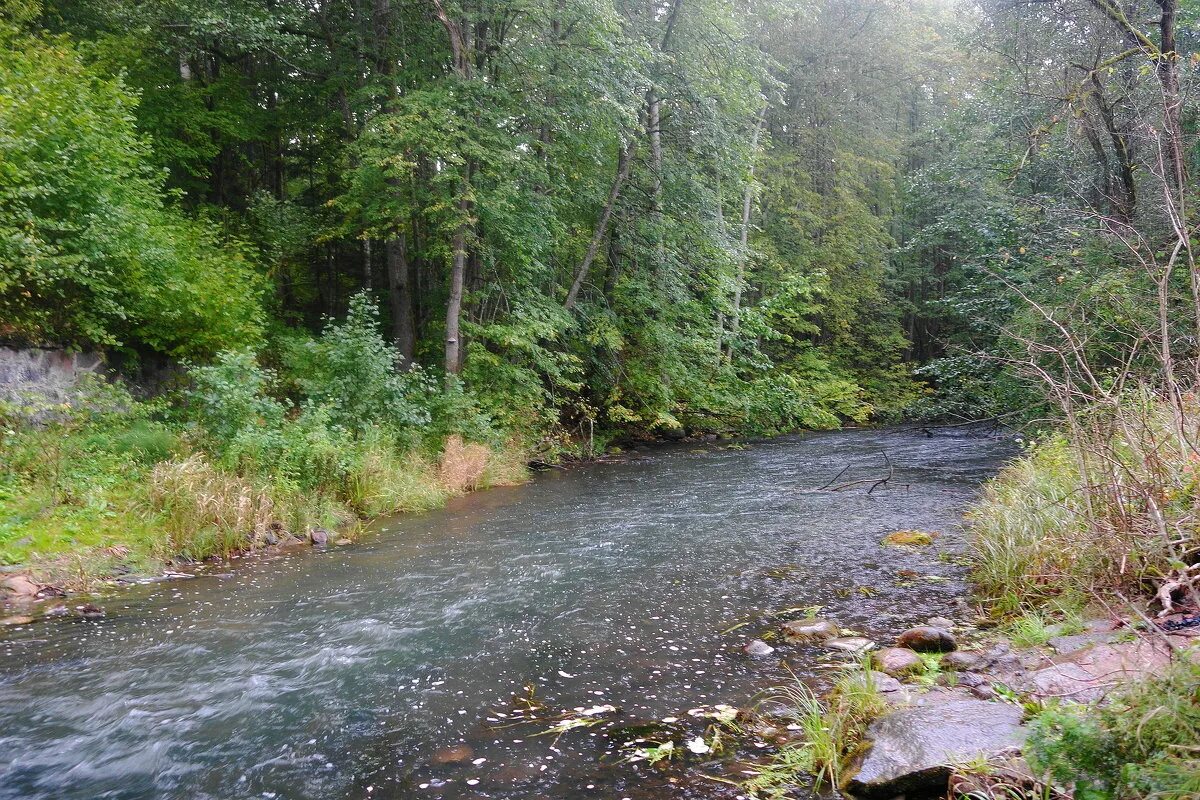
913, 749
1069, 644
968, 680
939, 622
455, 754
1088, 674
341, 541
959, 661
880, 681
90, 611
19, 619
318, 536
757, 649
908, 539
19, 587
898, 661
927, 639
984, 691
58, 611
810, 630
850, 644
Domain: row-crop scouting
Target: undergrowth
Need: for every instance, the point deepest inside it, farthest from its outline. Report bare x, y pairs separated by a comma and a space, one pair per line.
1143, 743
101, 481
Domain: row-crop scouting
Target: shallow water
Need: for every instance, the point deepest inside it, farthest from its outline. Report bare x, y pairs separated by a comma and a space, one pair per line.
341, 673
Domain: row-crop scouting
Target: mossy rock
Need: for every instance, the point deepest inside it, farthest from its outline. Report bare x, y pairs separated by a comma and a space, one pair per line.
909, 539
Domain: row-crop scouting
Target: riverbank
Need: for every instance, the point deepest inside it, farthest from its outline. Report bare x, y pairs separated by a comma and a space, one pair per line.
1057, 684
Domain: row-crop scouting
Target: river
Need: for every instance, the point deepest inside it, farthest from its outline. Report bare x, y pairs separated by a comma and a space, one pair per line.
346, 673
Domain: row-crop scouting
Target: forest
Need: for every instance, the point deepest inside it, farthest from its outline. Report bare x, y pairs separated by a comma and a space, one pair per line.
345, 258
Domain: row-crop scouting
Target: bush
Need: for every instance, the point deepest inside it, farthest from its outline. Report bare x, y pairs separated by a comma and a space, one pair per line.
231, 402
1143, 743
351, 371
90, 249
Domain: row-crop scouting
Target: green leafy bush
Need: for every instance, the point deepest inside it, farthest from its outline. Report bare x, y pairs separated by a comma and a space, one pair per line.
351, 372
91, 252
1143, 743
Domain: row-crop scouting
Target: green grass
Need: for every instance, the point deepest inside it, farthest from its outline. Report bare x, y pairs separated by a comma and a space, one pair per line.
832, 732
80, 499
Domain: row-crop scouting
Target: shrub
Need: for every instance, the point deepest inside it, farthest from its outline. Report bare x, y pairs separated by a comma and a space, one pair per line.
1143, 743
230, 400
351, 371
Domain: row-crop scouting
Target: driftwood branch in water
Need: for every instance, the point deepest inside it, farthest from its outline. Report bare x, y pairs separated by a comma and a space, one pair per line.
884, 481
875, 482
834, 478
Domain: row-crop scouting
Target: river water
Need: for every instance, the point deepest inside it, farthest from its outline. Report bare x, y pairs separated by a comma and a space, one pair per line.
346, 673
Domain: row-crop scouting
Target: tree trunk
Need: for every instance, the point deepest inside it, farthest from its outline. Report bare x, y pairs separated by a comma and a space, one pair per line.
744, 235
624, 159
458, 269
400, 296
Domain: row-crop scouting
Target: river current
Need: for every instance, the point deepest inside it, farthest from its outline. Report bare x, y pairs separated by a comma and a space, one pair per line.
388, 669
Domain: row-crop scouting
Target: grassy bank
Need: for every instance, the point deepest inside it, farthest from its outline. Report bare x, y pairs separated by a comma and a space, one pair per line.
240, 456
1101, 519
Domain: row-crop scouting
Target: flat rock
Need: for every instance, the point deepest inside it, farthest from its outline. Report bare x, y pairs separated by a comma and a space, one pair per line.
757, 649
1069, 644
850, 644
810, 630
454, 754
960, 661
914, 749
940, 622
18, 619
897, 661
927, 639
1089, 674
20, 587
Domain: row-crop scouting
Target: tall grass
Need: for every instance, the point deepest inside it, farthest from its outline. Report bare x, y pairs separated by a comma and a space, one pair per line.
1114, 505
832, 732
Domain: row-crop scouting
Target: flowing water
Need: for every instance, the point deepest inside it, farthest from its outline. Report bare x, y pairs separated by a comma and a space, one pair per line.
346, 673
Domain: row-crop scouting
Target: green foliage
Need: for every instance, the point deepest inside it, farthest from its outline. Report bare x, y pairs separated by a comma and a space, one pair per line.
351, 373
1142, 743
90, 250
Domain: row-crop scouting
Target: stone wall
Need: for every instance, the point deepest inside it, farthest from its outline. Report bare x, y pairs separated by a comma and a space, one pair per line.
37, 377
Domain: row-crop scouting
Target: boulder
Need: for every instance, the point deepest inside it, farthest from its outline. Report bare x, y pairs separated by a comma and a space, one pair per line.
914, 749
898, 661
940, 622
927, 639
757, 649
960, 661
815, 629
19, 587
318, 536
850, 644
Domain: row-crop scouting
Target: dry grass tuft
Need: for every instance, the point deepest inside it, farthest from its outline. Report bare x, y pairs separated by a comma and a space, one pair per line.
462, 465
